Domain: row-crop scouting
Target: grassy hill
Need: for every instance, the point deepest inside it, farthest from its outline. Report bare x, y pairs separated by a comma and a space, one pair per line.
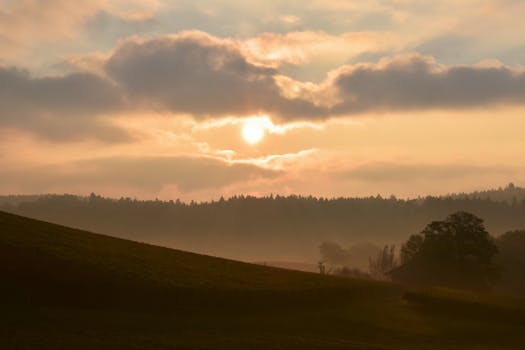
69, 289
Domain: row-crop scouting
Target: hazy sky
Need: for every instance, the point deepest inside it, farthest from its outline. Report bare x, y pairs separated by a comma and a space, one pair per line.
198, 99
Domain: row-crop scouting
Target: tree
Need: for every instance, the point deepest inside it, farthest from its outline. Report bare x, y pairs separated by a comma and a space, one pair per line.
383, 263
456, 252
322, 268
411, 248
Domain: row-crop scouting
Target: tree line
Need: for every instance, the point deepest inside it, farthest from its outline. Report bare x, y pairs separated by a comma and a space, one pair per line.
271, 227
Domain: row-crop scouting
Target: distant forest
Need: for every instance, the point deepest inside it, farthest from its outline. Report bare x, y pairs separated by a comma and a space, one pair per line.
276, 228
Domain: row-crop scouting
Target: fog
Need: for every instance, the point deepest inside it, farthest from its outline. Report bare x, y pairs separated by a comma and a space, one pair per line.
273, 230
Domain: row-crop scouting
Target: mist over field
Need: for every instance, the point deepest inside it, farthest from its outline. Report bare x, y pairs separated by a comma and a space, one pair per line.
272, 229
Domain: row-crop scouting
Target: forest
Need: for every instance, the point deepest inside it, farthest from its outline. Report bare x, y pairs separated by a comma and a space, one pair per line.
271, 228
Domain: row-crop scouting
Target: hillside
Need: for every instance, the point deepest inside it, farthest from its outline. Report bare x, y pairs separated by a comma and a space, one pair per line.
66, 288
25, 240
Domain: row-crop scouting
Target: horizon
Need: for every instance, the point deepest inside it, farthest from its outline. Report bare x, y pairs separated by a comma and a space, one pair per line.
510, 186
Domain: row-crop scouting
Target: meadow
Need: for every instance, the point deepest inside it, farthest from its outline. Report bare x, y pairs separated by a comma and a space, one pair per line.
64, 288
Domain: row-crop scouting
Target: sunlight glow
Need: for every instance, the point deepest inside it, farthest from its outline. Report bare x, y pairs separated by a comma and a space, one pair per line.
253, 130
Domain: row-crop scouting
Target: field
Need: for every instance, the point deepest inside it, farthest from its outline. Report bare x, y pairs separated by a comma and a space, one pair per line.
69, 289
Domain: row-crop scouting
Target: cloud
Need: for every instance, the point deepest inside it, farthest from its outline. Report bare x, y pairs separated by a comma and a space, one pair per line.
277, 161
196, 74
37, 20
148, 175
204, 76
201, 75
417, 83
190, 73
25, 24
60, 107
301, 47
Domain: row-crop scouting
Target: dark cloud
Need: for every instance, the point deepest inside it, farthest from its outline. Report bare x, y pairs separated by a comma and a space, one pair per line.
149, 174
204, 76
201, 75
77, 93
393, 172
417, 82
60, 107
190, 73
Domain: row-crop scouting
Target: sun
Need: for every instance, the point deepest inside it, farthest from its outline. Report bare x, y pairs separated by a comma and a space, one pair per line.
253, 131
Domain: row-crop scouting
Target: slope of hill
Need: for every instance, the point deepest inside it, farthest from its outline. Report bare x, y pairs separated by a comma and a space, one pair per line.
64, 288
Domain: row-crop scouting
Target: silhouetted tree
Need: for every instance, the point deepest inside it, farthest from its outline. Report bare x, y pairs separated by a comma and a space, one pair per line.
411, 248
383, 263
323, 270
456, 252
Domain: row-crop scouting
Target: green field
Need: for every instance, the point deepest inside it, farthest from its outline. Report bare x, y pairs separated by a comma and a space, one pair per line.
63, 288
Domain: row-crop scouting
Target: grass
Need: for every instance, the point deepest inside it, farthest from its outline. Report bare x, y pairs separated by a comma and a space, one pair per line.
69, 289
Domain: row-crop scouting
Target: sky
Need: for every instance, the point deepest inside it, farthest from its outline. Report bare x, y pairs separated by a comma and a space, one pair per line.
202, 99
